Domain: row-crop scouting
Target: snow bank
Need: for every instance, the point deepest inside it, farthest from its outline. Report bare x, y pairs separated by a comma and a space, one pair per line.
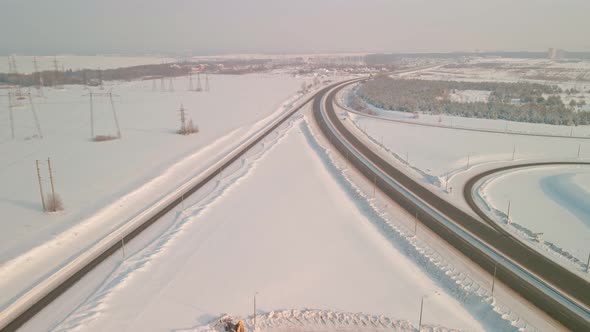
548, 210
315, 320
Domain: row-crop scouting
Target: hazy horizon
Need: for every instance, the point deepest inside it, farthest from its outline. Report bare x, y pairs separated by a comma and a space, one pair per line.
265, 26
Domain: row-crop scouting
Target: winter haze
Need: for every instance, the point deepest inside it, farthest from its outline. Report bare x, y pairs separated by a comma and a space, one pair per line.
235, 26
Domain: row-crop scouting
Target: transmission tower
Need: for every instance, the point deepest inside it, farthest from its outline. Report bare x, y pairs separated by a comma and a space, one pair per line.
100, 86
10, 105
35, 118
56, 74
10, 70
110, 95
190, 81
207, 83
171, 85
182, 120
199, 88
38, 78
16, 77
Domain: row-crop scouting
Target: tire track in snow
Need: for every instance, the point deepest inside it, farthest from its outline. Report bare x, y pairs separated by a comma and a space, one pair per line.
96, 303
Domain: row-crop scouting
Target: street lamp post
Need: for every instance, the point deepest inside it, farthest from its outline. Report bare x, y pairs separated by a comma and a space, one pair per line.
421, 307
255, 310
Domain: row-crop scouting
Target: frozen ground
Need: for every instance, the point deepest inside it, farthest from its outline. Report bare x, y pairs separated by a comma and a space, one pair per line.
282, 223
435, 152
315, 320
445, 158
25, 65
470, 96
105, 184
551, 200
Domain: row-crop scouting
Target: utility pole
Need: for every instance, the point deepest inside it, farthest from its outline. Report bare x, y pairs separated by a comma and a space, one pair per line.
421, 307
52, 187
40, 186
171, 85
416, 224
115, 115
55, 72
153, 85
123, 246
39, 80
10, 68
508, 212
207, 83
374, 185
579, 149
513, 152
254, 329
35, 118
100, 79
11, 116
494, 280
199, 88
162, 87
17, 76
468, 157
91, 115
447, 182
182, 120
587, 263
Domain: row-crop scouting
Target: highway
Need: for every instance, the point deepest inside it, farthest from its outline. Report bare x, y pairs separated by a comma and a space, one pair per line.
470, 184
21, 311
555, 290
550, 273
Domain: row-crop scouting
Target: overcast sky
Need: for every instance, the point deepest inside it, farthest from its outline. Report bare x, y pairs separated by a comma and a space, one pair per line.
295, 26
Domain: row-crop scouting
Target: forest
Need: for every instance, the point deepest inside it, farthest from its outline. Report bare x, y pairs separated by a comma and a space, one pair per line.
522, 102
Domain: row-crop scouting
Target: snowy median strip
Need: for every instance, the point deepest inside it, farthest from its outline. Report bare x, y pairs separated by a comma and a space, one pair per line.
53, 281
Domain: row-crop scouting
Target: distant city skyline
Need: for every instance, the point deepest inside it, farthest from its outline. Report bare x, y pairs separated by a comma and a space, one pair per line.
207, 27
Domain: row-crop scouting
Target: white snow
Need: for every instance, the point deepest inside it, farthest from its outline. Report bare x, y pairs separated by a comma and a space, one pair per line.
551, 200
103, 185
314, 320
445, 158
470, 96
279, 224
438, 151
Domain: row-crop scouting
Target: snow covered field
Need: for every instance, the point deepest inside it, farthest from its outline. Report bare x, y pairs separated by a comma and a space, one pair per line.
445, 158
25, 64
433, 152
502, 126
105, 184
281, 223
567, 75
551, 200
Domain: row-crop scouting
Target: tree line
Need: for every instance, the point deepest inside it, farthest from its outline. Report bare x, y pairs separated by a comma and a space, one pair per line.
522, 102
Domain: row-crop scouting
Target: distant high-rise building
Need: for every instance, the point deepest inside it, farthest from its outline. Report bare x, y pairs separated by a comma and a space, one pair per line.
555, 54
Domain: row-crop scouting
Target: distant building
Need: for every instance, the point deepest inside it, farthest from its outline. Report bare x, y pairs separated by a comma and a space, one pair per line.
555, 54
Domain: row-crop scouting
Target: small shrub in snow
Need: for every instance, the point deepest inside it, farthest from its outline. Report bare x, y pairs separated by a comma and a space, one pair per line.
103, 138
188, 128
53, 203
